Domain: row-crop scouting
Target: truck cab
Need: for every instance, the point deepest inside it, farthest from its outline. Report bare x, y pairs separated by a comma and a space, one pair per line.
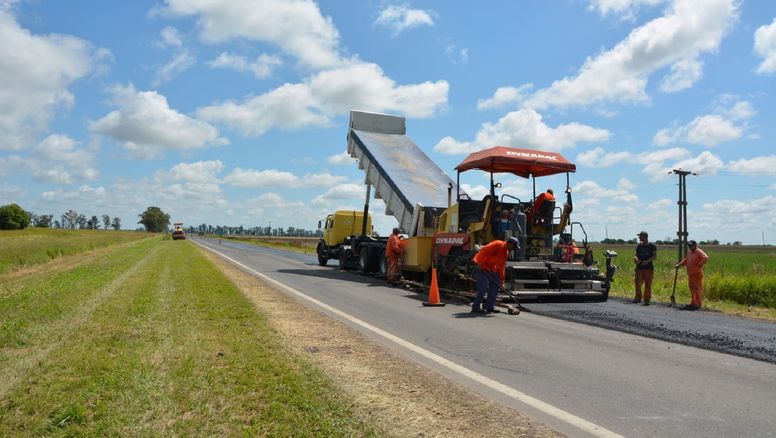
342, 232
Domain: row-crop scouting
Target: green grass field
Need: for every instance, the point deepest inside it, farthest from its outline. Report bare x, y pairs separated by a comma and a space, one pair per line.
150, 339
739, 279
32, 246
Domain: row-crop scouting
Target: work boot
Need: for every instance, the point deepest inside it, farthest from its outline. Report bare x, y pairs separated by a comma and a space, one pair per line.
478, 311
493, 311
636, 300
646, 303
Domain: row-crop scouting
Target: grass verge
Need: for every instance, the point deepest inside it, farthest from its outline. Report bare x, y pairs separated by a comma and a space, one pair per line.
153, 340
32, 246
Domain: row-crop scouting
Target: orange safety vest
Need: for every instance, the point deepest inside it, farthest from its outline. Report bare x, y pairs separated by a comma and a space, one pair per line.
695, 261
493, 257
546, 196
394, 246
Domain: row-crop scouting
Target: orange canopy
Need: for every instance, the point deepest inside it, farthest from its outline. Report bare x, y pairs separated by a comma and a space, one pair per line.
521, 162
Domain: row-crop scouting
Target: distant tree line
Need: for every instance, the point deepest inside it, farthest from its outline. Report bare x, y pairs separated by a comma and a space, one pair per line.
664, 242
225, 230
14, 217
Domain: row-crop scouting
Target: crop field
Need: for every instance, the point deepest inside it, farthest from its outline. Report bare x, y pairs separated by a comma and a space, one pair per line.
145, 337
33, 246
741, 279
298, 244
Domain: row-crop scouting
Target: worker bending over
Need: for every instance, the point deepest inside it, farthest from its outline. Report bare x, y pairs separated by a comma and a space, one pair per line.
491, 263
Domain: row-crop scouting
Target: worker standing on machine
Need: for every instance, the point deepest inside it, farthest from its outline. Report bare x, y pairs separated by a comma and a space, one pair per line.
392, 255
536, 212
491, 263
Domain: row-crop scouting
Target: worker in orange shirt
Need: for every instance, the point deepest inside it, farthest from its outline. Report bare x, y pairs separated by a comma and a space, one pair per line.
536, 211
694, 263
491, 263
392, 255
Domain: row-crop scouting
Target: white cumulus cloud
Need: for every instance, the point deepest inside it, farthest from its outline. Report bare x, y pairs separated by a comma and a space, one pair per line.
685, 31
401, 17
146, 124
625, 9
765, 165
765, 46
57, 159
181, 62
342, 158
277, 178
599, 158
297, 26
200, 171
503, 97
261, 68
525, 128
710, 129
327, 94
36, 72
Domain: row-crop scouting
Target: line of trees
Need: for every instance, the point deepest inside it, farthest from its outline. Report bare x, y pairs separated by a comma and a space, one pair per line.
14, 217
225, 230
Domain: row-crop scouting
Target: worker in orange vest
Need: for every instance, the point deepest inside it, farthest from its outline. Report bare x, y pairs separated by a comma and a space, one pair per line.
491, 263
392, 255
694, 263
536, 211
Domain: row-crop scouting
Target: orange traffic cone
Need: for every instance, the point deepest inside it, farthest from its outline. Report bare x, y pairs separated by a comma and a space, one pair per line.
433, 293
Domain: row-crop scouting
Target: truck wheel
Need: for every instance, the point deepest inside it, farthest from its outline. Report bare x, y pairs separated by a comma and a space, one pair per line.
343, 259
322, 259
363, 260
383, 264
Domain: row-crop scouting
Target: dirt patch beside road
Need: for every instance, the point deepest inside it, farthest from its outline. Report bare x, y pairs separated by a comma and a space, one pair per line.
401, 397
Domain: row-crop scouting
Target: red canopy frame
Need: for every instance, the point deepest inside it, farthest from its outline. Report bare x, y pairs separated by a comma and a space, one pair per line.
521, 162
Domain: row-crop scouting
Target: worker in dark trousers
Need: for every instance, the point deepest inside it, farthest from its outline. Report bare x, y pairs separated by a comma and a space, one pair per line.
491, 263
646, 253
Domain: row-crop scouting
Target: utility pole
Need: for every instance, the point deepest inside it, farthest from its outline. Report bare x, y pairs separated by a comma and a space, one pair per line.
681, 234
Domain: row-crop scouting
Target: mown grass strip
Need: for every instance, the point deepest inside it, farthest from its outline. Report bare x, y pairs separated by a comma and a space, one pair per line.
33, 246
174, 350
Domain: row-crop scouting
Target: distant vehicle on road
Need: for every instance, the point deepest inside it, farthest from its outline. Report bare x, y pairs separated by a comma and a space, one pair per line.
178, 233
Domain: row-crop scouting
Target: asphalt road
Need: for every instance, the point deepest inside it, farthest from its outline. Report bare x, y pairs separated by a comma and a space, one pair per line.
585, 369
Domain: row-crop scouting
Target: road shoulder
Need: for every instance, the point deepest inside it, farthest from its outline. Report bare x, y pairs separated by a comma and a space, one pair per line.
401, 397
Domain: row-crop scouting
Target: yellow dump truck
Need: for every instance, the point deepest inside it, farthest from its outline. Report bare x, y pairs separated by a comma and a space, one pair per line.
350, 240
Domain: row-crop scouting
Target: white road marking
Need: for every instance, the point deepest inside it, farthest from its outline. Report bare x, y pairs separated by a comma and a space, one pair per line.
547, 408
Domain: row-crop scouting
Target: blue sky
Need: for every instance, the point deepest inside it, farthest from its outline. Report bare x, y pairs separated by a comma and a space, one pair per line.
236, 113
